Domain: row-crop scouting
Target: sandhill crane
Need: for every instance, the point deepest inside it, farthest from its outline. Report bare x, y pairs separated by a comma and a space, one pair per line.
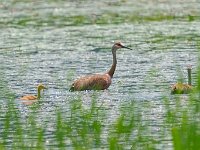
33, 97
180, 88
98, 81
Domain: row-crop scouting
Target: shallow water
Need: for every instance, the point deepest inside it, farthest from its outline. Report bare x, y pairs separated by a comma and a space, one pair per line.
55, 53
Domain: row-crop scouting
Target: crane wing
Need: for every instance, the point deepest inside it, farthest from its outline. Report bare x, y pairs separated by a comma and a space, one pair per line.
92, 82
29, 97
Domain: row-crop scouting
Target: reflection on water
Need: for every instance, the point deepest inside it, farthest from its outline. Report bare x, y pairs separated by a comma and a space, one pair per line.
56, 56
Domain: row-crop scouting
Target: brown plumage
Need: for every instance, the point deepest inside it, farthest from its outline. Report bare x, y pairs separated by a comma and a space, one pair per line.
98, 81
33, 97
180, 88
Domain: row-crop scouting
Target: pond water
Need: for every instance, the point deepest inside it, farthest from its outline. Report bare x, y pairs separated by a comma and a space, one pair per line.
40, 45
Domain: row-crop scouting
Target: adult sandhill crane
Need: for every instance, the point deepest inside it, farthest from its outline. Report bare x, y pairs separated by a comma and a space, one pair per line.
98, 81
180, 88
33, 97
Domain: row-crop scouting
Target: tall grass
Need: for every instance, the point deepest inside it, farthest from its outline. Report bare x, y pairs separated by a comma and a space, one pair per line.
184, 123
87, 128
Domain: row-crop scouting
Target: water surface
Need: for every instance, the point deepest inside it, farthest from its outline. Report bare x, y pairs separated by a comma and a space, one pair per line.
41, 44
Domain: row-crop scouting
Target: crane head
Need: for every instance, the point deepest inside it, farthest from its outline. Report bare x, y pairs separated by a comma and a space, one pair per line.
119, 45
41, 86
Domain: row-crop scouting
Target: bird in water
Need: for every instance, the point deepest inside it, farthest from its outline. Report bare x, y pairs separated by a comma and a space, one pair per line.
180, 88
98, 81
34, 97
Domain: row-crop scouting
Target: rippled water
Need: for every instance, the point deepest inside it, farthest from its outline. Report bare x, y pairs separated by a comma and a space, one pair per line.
56, 54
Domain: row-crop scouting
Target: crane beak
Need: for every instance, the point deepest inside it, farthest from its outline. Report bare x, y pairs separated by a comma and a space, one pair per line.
126, 47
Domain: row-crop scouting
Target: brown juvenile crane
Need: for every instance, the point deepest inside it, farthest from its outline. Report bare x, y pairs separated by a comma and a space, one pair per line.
98, 81
180, 88
34, 97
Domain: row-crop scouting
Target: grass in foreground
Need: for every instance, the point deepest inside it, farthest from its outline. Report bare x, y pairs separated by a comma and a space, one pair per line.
87, 128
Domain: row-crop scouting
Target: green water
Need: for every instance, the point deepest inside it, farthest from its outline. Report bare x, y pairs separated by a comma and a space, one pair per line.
55, 42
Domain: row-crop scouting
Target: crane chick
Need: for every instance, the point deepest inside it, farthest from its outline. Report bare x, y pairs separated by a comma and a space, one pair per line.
180, 88
34, 97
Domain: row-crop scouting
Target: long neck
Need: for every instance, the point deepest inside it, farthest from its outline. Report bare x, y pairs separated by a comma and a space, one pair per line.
114, 64
38, 93
189, 77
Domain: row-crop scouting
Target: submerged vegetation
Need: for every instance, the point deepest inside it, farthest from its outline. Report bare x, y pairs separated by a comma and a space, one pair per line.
101, 19
32, 17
